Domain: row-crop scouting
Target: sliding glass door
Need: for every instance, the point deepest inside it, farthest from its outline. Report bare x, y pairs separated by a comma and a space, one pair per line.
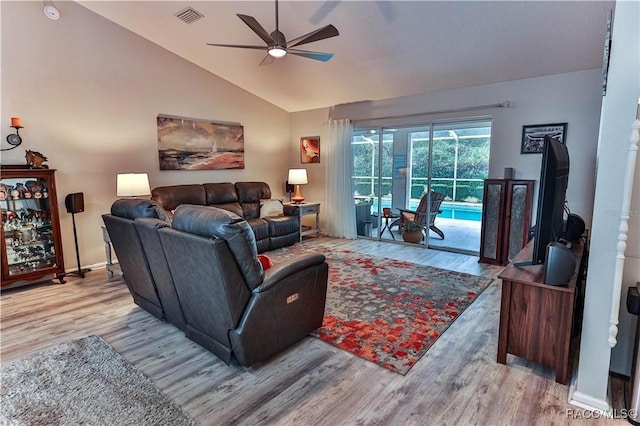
382, 172
460, 164
431, 174
372, 155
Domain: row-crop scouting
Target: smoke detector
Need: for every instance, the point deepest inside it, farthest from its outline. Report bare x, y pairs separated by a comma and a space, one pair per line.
51, 12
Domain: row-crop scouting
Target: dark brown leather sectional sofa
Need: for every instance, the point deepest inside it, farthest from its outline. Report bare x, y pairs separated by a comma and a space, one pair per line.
241, 198
201, 273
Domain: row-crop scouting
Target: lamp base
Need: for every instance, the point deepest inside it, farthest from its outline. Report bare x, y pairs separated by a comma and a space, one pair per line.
297, 197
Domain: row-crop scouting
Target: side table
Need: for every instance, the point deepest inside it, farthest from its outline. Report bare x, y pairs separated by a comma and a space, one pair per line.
107, 250
387, 226
304, 209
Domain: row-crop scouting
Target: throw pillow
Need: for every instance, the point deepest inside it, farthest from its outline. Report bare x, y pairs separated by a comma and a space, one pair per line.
271, 208
265, 261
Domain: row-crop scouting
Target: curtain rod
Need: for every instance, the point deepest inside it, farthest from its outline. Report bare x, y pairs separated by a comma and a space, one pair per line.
505, 104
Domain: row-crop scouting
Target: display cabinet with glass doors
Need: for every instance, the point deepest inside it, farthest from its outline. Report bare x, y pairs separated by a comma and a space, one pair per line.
30, 231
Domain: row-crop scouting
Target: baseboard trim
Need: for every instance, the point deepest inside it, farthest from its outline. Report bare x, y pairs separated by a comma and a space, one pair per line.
99, 265
582, 400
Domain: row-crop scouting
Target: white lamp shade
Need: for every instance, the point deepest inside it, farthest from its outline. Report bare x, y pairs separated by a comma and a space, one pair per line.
132, 184
298, 177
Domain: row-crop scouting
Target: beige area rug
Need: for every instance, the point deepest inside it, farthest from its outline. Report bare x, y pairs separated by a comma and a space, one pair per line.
84, 382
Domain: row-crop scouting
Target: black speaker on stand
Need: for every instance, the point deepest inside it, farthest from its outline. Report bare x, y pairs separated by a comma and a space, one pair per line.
75, 204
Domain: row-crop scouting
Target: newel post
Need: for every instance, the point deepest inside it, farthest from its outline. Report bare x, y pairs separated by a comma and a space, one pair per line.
622, 231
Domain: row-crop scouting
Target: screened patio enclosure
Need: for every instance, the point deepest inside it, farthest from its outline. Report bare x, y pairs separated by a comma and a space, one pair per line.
395, 167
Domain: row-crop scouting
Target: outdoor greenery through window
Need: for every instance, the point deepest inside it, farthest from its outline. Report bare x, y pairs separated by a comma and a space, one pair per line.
455, 161
365, 165
460, 162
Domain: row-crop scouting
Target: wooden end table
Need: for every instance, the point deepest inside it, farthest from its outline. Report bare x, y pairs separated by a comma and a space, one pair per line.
304, 209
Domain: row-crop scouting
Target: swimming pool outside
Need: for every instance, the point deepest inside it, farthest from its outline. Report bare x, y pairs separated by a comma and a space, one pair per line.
461, 211
450, 210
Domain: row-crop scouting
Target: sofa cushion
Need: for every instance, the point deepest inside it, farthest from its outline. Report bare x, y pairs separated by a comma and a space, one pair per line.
282, 225
282, 241
218, 223
133, 208
251, 192
223, 196
260, 228
249, 195
220, 193
170, 197
232, 207
271, 208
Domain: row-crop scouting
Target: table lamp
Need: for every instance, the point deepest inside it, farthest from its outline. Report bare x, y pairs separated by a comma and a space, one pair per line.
298, 177
132, 184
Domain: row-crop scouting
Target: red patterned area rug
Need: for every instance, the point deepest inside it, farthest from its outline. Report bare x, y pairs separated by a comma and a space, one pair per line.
387, 311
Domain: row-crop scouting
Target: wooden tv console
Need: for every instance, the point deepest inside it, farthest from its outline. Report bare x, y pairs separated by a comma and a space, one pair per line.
536, 319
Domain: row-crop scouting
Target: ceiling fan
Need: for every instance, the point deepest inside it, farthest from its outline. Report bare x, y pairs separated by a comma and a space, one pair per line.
277, 45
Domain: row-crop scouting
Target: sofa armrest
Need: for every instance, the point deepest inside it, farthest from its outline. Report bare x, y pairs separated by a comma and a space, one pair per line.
280, 271
286, 310
290, 210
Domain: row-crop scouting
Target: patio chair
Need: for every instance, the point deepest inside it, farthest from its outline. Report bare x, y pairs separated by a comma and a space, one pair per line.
421, 215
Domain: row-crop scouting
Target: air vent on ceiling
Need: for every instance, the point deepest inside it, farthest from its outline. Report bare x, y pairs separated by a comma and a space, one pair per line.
189, 15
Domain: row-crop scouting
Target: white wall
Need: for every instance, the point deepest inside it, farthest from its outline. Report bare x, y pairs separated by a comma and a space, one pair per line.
310, 123
618, 112
89, 91
574, 98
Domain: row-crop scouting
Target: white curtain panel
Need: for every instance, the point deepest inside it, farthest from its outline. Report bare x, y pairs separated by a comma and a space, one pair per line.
339, 210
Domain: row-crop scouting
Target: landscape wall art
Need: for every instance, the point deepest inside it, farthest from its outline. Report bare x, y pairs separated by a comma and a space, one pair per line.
191, 144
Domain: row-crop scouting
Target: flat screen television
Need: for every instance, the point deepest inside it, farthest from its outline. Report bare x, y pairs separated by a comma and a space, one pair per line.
554, 178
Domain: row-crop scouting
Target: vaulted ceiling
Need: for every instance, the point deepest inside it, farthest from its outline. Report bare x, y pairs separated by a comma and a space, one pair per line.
385, 49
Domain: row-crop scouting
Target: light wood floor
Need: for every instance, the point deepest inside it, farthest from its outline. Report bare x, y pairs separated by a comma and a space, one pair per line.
457, 382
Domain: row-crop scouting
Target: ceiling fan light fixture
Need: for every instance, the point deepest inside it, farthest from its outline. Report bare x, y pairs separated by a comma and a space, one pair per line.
276, 43
277, 52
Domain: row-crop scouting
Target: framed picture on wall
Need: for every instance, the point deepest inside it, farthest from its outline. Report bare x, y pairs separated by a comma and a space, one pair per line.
310, 149
533, 136
194, 144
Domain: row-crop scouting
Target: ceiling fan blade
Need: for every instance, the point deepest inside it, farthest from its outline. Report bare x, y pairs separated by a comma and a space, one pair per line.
268, 60
241, 46
319, 34
318, 56
257, 28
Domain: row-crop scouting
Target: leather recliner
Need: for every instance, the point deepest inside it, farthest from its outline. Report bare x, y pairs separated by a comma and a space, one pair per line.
241, 198
231, 305
132, 227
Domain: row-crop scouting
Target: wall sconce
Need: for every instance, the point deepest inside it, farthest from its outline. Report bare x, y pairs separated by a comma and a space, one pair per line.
132, 184
14, 139
298, 177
